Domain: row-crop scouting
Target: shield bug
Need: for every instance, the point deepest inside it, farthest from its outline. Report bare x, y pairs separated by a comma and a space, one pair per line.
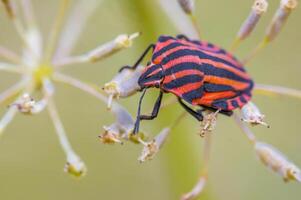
198, 73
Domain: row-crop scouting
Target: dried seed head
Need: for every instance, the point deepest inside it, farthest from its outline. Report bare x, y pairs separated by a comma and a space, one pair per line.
75, 166
120, 42
209, 122
25, 104
289, 4
259, 7
251, 114
277, 162
124, 84
279, 19
152, 148
111, 135
121, 129
187, 5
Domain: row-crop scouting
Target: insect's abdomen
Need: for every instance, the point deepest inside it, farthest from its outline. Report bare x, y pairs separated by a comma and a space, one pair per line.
203, 74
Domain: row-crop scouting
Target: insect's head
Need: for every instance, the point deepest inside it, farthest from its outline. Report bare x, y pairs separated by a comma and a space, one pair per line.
152, 76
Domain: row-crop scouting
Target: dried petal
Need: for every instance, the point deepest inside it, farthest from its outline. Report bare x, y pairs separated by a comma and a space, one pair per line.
277, 162
251, 114
75, 166
151, 148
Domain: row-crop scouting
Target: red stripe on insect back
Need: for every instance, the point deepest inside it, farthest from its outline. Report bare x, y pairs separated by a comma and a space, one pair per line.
161, 45
225, 57
226, 67
209, 97
182, 59
167, 53
237, 85
181, 74
179, 91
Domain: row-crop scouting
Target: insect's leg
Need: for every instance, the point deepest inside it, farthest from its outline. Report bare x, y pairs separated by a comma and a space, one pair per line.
147, 117
199, 186
195, 114
152, 46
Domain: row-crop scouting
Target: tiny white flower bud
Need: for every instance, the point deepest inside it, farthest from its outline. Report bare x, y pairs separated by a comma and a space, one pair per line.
251, 114
187, 5
277, 162
75, 166
279, 19
124, 84
152, 148
209, 122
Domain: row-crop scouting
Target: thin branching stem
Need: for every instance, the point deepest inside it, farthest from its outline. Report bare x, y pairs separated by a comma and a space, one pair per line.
29, 15
244, 128
9, 55
75, 24
52, 41
61, 133
11, 91
59, 77
10, 68
278, 90
7, 118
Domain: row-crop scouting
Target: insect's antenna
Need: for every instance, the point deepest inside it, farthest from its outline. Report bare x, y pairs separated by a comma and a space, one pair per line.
137, 123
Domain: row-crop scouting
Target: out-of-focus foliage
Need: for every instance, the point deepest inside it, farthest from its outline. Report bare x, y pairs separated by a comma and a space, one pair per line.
31, 159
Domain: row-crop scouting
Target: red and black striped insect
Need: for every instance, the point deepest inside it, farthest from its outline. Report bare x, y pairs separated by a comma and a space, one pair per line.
197, 72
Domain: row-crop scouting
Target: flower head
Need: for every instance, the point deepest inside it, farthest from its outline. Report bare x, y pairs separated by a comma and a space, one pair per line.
40, 63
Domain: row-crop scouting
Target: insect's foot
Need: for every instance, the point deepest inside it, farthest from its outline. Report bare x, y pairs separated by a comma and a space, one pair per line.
209, 122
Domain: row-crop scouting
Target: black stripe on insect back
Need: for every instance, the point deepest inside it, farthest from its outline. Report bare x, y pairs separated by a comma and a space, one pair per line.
201, 54
164, 38
193, 94
179, 82
166, 48
206, 69
211, 87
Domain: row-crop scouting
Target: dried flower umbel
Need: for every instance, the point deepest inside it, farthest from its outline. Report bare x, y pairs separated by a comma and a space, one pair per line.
41, 60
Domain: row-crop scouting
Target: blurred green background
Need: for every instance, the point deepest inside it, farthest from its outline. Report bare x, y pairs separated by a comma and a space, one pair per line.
31, 160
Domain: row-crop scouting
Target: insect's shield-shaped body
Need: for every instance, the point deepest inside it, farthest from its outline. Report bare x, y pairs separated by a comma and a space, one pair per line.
198, 72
